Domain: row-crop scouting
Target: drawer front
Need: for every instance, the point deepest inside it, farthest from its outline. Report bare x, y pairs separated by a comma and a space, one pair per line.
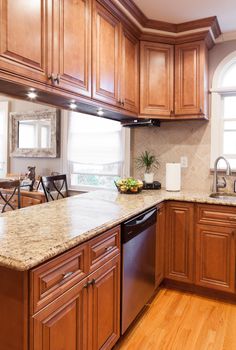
212, 214
58, 275
28, 201
104, 247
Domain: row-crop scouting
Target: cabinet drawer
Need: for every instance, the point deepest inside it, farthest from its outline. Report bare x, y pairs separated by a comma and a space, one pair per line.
51, 279
28, 201
212, 214
104, 247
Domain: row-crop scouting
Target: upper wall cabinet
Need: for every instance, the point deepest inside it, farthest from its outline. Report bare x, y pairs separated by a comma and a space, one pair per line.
130, 71
106, 47
71, 45
48, 42
23, 40
156, 79
191, 79
179, 96
115, 62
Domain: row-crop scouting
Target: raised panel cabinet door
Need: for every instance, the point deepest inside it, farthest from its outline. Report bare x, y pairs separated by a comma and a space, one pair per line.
23, 41
104, 306
63, 323
215, 257
72, 45
160, 243
179, 244
130, 72
191, 79
156, 79
106, 51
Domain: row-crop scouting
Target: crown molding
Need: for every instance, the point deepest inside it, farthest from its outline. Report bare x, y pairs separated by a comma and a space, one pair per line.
228, 36
166, 28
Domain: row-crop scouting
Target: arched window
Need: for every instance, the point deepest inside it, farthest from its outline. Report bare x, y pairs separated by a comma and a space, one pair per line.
223, 137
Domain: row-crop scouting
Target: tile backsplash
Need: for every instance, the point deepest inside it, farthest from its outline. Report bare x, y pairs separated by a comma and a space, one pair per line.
173, 140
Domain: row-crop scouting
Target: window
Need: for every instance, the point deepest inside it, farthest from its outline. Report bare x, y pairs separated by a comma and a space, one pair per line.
98, 150
3, 138
223, 138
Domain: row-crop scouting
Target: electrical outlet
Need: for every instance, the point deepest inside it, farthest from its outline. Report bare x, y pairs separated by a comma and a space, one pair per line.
184, 162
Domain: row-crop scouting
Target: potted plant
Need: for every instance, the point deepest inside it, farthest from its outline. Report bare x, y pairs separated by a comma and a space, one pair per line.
147, 161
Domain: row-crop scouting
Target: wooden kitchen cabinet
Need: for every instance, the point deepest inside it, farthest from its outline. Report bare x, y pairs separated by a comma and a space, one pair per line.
106, 50
72, 308
215, 247
160, 244
57, 52
156, 79
115, 62
23, 39
179, 241
215, 257
63, 323
129, 71
71, 45
104, 306
173, 87
191, 79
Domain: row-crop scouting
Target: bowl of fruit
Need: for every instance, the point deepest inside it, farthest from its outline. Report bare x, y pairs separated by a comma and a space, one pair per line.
129, 185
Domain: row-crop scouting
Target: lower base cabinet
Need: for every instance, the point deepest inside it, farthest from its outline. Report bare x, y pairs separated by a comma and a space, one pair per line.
85, 317
215, 257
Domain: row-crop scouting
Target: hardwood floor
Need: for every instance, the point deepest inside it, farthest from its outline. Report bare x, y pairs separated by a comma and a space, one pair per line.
183, 321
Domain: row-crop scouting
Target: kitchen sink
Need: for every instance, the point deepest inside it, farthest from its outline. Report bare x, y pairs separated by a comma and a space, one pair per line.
224, 196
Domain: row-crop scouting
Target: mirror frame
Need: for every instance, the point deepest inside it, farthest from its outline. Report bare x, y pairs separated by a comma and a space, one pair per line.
49, 114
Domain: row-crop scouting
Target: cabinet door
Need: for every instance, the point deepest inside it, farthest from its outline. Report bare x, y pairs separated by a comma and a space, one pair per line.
179, 244
72, 45
106, 51
23, 39
191, 79
156, 79
130, 72
63, 323
104, 306
215, 257
160, 243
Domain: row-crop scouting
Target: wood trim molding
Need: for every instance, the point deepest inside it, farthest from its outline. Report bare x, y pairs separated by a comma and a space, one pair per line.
208, 22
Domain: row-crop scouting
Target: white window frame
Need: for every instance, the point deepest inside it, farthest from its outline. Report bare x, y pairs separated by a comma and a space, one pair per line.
4, 105
217, 94
67, 166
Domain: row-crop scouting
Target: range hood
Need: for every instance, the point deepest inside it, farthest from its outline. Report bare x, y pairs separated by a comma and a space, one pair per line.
141, 122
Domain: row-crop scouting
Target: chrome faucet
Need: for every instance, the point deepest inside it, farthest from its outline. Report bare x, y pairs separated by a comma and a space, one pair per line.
216, 182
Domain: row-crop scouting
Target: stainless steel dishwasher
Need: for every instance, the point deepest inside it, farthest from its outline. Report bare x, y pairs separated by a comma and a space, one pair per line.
138, 264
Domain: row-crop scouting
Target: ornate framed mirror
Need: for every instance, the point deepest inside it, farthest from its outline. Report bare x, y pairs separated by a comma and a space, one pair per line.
35, 134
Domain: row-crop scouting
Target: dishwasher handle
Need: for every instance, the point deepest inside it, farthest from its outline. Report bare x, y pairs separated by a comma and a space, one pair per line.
138, 224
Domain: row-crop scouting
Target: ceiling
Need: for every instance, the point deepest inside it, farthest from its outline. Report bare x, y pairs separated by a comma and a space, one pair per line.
187, 10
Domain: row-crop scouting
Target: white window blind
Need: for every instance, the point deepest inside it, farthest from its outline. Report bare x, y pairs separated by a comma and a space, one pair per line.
96, 151
3, 138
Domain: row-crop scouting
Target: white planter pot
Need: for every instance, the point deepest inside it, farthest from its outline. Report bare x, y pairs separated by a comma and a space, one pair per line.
148, 178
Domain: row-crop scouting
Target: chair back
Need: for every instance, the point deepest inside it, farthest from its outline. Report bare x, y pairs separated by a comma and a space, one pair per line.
54, 187
9, 195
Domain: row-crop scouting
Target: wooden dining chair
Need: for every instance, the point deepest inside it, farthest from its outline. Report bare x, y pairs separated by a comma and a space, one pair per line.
10, 198
55, 187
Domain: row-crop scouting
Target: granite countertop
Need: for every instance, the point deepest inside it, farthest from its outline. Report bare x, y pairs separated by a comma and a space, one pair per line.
32, 235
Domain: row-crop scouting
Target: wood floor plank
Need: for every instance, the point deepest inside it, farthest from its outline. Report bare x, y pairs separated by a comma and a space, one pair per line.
183, 321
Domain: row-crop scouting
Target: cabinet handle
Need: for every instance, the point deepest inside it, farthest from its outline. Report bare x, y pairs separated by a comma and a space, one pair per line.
233, 234
109, 248
232, 218
67, 274
123, 102
200, 110
54, 78
91, 283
